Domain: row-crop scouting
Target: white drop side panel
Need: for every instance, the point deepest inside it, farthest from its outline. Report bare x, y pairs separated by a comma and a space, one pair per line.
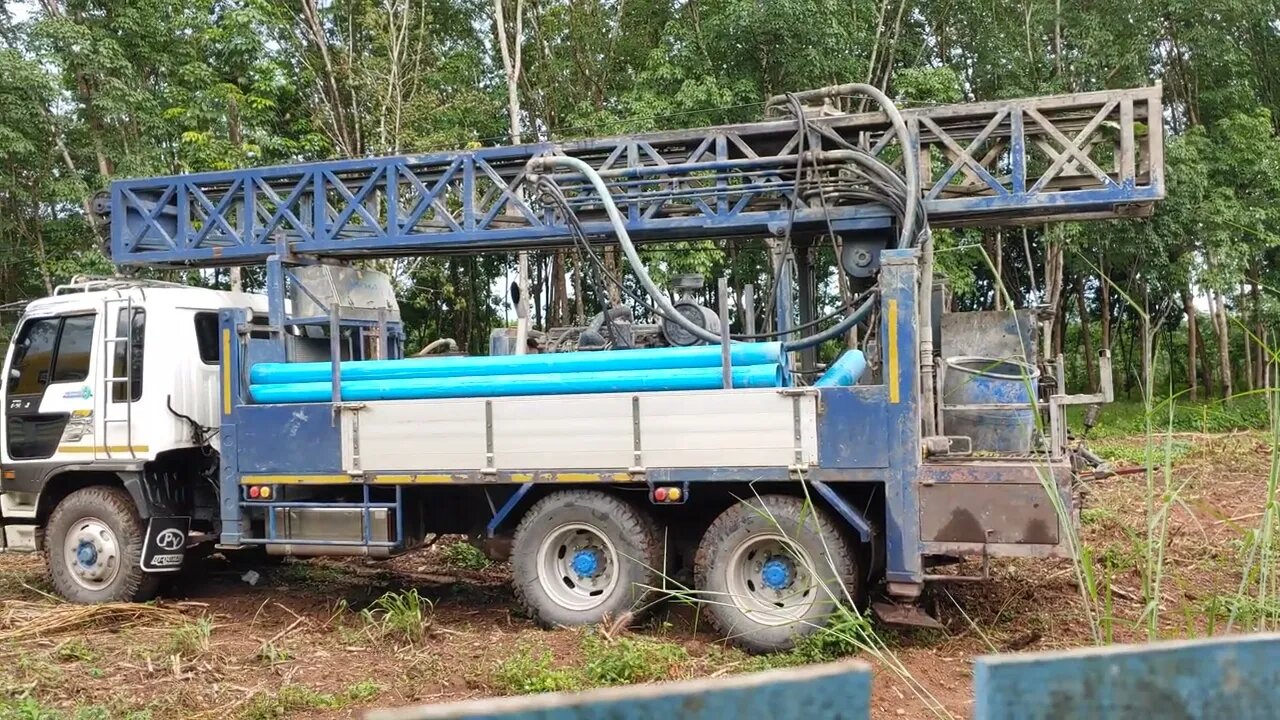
706, 428
738, 428
407, 435
571, 432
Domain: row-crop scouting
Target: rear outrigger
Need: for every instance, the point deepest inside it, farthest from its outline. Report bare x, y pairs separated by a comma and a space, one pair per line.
146, 422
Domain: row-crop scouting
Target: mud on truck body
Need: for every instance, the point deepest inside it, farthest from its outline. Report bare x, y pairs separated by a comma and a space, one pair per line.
147, 424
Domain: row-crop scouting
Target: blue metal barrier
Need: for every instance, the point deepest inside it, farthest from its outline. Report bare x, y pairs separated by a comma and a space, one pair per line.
839, 691
1235, 678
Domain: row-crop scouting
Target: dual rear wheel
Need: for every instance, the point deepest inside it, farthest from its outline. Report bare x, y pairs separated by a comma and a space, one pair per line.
767, 571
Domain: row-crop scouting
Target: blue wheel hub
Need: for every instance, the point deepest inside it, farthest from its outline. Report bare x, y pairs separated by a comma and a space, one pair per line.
777, 573
86, 554
586, 563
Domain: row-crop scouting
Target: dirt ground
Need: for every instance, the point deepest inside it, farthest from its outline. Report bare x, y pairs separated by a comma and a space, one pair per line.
296, 644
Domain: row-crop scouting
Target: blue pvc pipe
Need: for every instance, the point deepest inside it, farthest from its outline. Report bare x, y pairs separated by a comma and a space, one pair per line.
844, 371
702, 356
749, 376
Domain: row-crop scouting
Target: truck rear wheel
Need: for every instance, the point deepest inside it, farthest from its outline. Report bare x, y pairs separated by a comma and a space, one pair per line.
93, 548
774, 569
582, 555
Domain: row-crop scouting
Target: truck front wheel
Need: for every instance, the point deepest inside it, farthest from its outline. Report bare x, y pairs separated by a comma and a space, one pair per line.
93, 548
582, 555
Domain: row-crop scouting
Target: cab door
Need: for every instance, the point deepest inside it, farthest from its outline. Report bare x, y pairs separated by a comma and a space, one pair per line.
49, 392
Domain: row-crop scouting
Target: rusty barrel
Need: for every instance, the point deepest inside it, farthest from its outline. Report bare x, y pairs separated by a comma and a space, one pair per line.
992, 402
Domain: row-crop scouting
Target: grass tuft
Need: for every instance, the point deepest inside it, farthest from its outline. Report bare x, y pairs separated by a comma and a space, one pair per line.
525, 673
629, 660
404, 614
191, 639
293, 699
464, 556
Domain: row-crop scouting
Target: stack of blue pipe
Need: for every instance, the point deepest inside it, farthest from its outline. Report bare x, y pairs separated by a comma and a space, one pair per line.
754, 365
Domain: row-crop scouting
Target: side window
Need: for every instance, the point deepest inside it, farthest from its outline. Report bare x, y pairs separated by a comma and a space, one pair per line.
33, 357
128, 354
75, 345
207, 337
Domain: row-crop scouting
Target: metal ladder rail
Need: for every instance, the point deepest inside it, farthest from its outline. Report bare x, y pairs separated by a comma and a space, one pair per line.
110, 380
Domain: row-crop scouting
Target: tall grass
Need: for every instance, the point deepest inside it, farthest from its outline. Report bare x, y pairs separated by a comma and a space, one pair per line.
846, 630
1259, 582
1255, 605
1155, 422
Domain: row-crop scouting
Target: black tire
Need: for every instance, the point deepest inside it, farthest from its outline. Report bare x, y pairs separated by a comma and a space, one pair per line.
113, 508
776, 530
636, 545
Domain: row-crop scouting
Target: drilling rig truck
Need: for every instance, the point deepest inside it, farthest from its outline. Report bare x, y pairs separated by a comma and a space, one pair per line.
147, 423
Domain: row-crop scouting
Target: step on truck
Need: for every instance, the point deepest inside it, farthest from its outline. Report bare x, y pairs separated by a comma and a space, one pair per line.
662, 447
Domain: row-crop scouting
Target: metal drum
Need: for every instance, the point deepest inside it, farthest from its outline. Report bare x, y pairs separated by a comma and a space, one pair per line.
992, 402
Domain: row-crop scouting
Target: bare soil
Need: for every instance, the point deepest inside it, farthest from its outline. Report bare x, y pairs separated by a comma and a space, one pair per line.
294, 643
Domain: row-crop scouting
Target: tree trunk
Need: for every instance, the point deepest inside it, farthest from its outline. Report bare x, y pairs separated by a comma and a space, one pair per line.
1145, 329
344, 137
1248, 351
1086, 337
1189, 307
511, 65
1224, 345
999, 260
1206, 367
1054, 290
579, 311
1259, 330
1104, 297
611, 264
559, 314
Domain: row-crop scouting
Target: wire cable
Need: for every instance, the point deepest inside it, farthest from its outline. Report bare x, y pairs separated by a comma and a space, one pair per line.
872, 180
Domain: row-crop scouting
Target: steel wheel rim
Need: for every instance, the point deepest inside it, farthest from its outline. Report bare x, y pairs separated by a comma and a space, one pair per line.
577, 566
92, 553
771, 580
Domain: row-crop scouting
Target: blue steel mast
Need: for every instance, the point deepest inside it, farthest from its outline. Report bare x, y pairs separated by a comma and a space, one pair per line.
1089, 155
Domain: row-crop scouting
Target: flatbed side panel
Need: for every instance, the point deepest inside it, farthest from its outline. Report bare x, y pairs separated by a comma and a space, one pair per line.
563, 431
697, 429
415, 435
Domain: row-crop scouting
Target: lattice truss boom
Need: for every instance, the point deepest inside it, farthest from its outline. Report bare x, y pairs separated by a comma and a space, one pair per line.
1092, 155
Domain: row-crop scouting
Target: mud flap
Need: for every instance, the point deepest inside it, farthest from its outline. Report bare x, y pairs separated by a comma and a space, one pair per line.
165, 544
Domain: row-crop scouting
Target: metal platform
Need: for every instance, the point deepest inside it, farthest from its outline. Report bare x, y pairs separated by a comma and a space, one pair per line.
1090, 155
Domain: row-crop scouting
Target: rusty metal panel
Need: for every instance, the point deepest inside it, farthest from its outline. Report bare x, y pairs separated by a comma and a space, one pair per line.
1019, 471
973, 513
993, 334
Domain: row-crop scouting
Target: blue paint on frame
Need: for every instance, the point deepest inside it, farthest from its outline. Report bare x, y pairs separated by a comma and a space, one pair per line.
824, 692
852, 432
1236, 678
288, 439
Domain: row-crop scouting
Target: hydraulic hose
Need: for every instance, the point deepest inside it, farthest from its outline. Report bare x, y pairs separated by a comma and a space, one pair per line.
881, 177
910, 169
547, 162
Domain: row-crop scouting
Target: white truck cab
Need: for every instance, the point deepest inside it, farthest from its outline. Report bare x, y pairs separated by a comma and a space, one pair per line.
109, 383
